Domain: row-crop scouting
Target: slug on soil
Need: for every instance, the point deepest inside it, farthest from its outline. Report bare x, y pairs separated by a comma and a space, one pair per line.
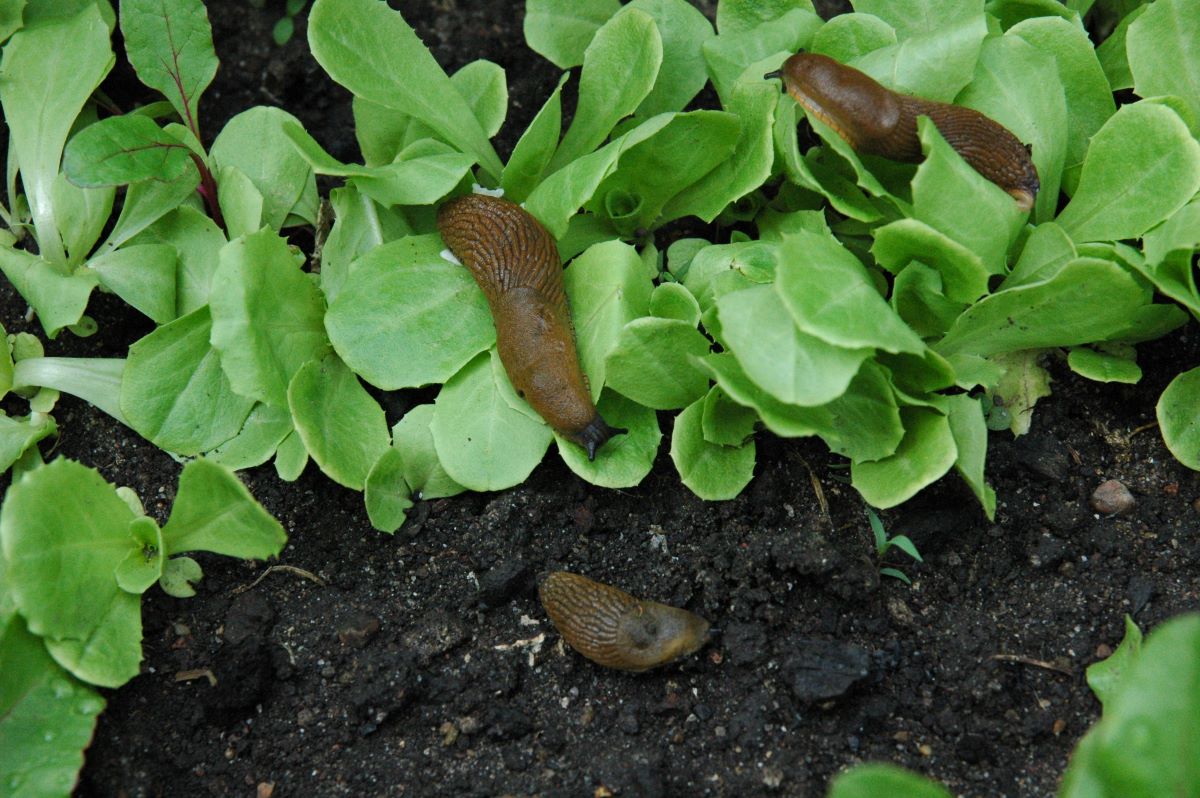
515, 261
616, 630
877, 121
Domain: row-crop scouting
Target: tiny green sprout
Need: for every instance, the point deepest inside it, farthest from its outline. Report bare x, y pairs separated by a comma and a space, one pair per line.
883, 544
285, 28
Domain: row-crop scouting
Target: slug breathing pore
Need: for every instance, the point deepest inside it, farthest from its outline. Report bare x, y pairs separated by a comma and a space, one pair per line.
514, 259
875, 120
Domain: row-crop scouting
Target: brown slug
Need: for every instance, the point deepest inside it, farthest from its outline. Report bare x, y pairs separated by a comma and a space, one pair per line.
616, 630
515, 261
878, 121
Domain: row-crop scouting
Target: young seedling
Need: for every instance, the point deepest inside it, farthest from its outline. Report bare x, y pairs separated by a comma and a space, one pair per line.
884, 544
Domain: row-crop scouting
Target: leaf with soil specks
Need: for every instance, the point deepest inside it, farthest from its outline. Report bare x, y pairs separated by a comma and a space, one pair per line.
1024, 381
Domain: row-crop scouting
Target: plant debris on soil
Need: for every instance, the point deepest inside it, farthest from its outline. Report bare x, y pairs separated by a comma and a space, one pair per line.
422, 664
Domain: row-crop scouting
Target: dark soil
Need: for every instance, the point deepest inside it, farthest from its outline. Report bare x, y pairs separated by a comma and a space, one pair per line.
422, 664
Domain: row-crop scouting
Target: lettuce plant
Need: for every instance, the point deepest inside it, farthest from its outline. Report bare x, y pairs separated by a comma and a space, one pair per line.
72, 574
885, 325
897, 312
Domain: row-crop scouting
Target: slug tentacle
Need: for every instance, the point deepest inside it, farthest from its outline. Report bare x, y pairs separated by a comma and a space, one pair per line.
514, 259
616, 630
878, 121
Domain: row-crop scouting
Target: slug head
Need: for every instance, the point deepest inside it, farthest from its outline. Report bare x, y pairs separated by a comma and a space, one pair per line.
851, 102
653, 634
595, 434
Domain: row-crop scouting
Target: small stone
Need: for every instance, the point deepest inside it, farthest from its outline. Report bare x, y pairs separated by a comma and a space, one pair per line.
824, 669
746, 643
1043, 454
1103, 651
926, 749
1049, 552
1059, 726
627, 721
357, 629
1141, 590
900, 612
506, 723
772, 777
433, 634
449, 733
1112, 497
265, 789
499, 585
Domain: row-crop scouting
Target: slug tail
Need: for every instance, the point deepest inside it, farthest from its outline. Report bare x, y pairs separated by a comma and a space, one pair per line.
596, 433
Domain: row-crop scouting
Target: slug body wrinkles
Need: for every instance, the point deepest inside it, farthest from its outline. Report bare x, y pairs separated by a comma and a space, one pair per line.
878, 121
515, 261
616, 630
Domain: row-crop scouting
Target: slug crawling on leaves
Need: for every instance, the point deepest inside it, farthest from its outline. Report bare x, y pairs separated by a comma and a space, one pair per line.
515, 261
616, 630
877, 121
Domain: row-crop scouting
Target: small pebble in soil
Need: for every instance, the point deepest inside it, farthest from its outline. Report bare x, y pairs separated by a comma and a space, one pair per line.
746, 643
435, 633
1112, 497
900, 612
627, 721
1042, 454
772, 777
819, 670
503, 582
357, 629
1048, 552
1141, 590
